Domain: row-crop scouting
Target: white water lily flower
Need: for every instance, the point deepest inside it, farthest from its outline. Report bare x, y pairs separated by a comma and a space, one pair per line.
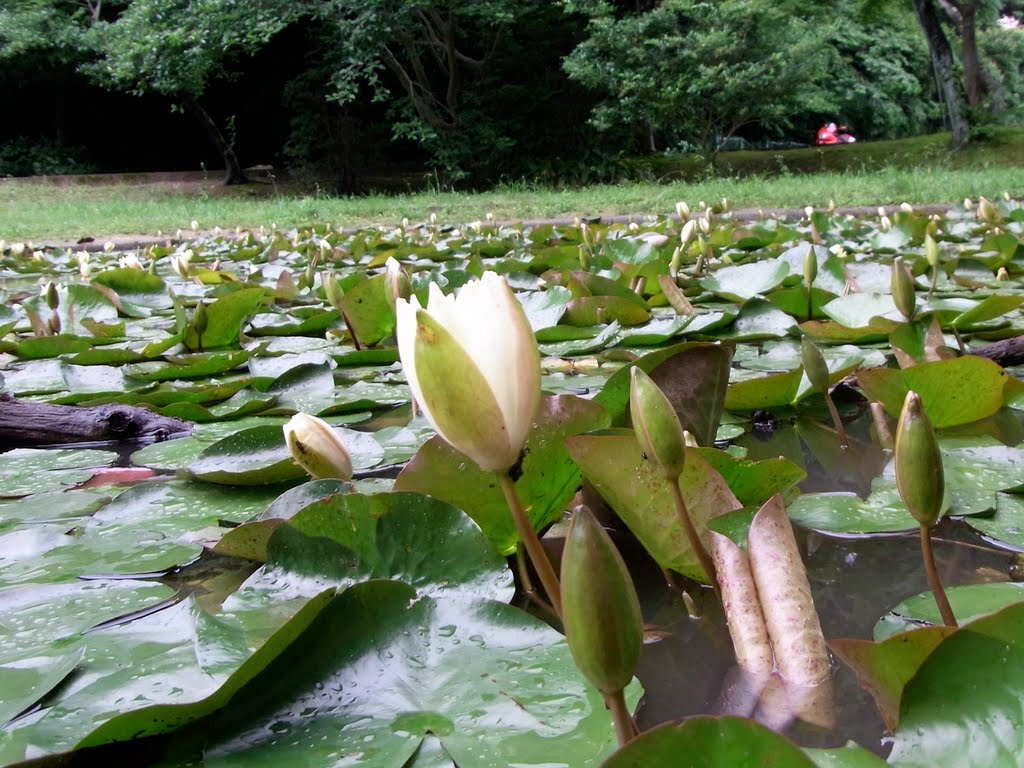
317, 448
473, 366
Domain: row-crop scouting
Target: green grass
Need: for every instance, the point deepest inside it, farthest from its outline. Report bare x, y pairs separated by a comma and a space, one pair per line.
917, 171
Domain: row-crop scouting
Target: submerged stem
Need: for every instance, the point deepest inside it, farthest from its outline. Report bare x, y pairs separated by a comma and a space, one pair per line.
840, 430
535, 550
625, 728
691, 534
928, 556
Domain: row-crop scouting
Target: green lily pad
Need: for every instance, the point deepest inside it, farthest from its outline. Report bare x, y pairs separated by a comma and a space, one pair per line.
721, 742
259, 456
548, 481
149, 527
346, 538
225, 318
967, 715
26, 680
739, 283
968, 601
754, 482
27, 470
503, 672
956, 391
639, 494
585, 311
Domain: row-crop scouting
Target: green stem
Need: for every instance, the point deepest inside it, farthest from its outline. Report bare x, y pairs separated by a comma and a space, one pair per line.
539, 558
625, 728
691, 534
928, 555
527, 583
843, 439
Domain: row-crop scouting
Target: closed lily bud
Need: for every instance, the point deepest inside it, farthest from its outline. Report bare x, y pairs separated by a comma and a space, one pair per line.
919, 475
931, 250
333, 290
810, 265
473, 366
398, 283
682, 210
904, 294
656, 425
200, 320
686, 233
1002, 275
986, 210
600, 609
316, 448
52, 297
814, 365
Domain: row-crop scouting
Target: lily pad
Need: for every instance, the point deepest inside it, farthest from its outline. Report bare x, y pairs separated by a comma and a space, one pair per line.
548, 481
503, 674
721, 742
967, 715
639, 494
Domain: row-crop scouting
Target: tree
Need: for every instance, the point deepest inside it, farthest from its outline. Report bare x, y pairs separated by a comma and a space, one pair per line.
176, 47
699, 71
943, 64
433, 62
43, 36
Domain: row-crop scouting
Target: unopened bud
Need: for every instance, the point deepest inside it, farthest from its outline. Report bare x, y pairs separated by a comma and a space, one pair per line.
810, 266
656, 425
317, 448
904, 293
600, 609
814, 365
919, 474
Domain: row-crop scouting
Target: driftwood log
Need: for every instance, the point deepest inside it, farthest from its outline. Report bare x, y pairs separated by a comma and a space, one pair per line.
24, 424
1007, 352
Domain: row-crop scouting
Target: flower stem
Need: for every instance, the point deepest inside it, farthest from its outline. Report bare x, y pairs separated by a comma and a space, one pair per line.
691, 534
625, 728
539, 558
843, 439
928, 556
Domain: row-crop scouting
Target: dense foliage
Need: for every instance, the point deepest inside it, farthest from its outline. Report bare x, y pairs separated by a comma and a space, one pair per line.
480, 91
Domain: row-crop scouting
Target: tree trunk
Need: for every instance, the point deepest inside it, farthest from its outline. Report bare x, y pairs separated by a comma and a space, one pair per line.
235, 174
942, 62
974, 82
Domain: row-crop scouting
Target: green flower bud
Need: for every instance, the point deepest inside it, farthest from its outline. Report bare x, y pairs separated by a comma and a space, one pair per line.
904, 294
52, 297
656, 425
919, 475
600, 609
200, 320
316, 448
814, 365
333, 290
810, 266
931, 250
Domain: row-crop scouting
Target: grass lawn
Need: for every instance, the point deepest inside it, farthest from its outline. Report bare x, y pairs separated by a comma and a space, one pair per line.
917, 170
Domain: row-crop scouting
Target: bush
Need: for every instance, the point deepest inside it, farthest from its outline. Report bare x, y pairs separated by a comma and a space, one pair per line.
24, 156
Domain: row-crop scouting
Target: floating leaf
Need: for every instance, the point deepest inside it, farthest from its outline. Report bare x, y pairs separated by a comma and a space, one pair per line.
548, 481
956, 391
503, 672
635, 488
967, 715
721, 742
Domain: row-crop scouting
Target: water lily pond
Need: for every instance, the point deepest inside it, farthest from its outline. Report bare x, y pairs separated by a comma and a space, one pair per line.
192, 597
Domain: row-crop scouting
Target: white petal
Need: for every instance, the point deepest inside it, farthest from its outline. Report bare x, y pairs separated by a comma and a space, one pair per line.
405, 332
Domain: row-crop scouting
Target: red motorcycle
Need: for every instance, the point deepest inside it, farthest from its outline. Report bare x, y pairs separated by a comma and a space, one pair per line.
831, 133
